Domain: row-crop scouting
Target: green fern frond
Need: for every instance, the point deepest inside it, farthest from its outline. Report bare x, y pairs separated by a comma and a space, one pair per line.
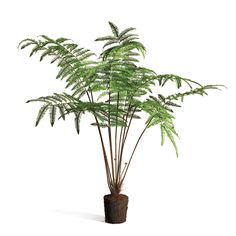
55, 58
77, 121
171, 138
124, 32
61, 108
135, 45
162, 98
162, 135
200, 91
105, 38
41, 113
114, 29
62, 40
109, 43
25, 43
162, 79
128, 37
52, 114
169, 103
102, 125
113, 88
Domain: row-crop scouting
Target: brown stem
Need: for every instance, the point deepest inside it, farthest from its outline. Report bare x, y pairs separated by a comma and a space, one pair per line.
122, 179
126, 131
111, 152
109, 135
122, 145
124, 168
119, 148
108, 172
116, 161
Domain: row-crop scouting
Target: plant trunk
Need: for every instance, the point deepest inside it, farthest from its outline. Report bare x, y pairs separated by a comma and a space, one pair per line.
115, 208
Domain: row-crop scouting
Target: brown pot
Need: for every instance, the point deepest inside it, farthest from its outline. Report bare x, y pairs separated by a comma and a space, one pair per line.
115, 208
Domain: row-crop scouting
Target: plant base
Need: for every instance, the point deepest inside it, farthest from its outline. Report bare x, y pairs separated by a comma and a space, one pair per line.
115, 208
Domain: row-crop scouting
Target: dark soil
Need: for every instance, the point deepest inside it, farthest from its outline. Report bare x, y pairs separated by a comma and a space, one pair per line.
115, 208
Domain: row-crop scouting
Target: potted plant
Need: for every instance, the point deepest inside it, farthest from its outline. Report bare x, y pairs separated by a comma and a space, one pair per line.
115, 91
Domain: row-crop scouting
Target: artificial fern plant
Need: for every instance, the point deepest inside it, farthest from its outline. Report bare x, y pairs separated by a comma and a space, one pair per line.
114, 89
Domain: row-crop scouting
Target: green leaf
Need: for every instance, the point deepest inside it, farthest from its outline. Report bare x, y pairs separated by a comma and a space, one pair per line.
77, 121
161, 97
128, 37
62, 40
41, 113
85, 56
169, 103
61, 96
27, 43
162, 135
61, 110
109, 43
82, 94
81, 51
101, 95
52, 114
170, 136
105, 38
55, 58
102, 125
139, 46
44, 54
35, 49
114, 29
46, 37
71, 46
115, 75
62, 71
125, 32
200, 91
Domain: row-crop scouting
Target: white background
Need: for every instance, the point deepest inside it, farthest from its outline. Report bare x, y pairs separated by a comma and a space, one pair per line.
52, 181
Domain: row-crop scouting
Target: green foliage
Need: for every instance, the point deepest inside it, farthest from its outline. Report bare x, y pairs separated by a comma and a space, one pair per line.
202, 90
112, 87
114, 29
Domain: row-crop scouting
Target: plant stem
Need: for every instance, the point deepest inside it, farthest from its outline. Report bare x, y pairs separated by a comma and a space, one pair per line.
124, 169
111, 152
108, 172
131, 157
119, 148
122, 144
116, 161
109, 126
126, 131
